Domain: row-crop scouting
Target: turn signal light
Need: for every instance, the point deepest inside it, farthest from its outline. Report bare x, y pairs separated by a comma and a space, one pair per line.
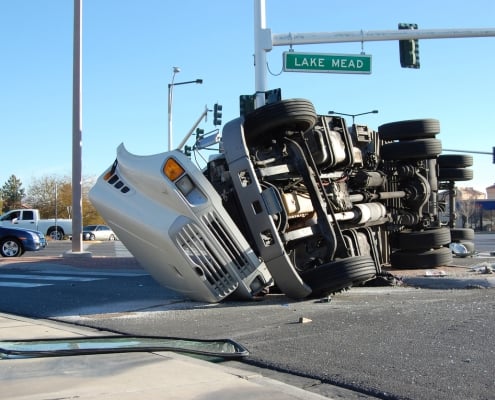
111, 171
172, 169
108, 175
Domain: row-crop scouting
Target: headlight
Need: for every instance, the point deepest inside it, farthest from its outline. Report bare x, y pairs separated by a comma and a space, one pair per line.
36, 239
42, 239
177, 174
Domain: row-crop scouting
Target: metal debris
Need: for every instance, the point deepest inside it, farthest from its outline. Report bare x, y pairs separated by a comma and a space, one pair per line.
483, 268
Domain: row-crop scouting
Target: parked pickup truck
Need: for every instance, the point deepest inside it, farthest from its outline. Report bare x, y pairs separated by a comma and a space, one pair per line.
55, 228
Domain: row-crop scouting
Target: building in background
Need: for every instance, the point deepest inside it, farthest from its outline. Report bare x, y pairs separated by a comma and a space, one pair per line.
490, 192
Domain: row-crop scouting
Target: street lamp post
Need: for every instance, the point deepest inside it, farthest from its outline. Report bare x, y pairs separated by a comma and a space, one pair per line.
353, 115
170, 102
175, 70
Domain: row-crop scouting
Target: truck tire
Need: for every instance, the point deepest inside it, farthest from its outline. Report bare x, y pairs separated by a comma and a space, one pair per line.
460, 234
11, 247
455, 174
470, 247
419, 149
272, 120
455, 160
412, 259
424, 240
411, 129
337, 275
56, 233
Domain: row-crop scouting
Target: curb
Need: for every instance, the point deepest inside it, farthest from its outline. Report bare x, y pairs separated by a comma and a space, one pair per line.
449, 283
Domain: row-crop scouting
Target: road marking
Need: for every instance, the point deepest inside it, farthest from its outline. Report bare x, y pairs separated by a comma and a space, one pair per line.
60, 276
22, 280
23, 284
49, 277
59, 272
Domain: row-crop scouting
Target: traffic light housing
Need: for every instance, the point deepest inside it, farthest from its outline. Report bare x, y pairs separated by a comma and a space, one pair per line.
217, 114
247, 102
200, 133
493, 154
409, 49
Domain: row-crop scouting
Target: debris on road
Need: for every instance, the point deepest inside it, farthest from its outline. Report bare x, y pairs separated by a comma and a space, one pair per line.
483, 268
435, 272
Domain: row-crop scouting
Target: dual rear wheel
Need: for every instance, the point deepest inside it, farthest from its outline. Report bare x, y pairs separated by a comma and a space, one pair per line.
422, 249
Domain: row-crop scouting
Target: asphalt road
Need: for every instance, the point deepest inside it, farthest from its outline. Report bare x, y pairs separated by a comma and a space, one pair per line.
382, 342
392, 343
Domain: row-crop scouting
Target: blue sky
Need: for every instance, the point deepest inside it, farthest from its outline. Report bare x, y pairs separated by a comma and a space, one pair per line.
130, 47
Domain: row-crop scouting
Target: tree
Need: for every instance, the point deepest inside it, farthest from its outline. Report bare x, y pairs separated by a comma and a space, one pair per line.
466, 208
90, 215
53, 197
42, 194
12, 194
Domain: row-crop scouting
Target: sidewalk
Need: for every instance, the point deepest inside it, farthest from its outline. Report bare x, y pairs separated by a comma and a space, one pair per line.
126, 376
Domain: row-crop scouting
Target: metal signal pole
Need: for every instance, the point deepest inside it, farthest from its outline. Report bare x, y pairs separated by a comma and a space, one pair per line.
77, 132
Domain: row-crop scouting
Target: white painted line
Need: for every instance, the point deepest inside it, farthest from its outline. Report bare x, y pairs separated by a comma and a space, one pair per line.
48, 277
23, 284
89, 273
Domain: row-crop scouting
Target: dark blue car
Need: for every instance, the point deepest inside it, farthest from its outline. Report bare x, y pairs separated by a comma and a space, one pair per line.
15, 241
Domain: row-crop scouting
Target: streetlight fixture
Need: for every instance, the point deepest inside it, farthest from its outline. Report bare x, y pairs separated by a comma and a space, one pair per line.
353, 115
171, 85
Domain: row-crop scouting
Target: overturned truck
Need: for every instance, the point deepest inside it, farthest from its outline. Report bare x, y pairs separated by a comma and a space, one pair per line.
293, 200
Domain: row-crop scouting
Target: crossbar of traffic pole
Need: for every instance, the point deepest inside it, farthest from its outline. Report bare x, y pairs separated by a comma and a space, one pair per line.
288, 39
468, 151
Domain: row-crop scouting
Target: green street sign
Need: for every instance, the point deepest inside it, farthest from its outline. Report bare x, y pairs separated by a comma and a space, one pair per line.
334, 63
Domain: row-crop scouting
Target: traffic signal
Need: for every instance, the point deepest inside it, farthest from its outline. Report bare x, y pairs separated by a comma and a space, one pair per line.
187, 151
409, 49
493, 154
217, 114
247, 104
200, 133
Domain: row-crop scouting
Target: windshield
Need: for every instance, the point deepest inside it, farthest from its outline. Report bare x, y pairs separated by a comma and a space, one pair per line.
223, 348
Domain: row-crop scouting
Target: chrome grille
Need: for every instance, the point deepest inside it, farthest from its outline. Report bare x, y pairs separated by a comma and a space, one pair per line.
234, 252
209, 265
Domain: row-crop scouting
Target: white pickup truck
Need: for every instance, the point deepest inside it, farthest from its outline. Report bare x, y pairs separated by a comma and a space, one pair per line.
55, 228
